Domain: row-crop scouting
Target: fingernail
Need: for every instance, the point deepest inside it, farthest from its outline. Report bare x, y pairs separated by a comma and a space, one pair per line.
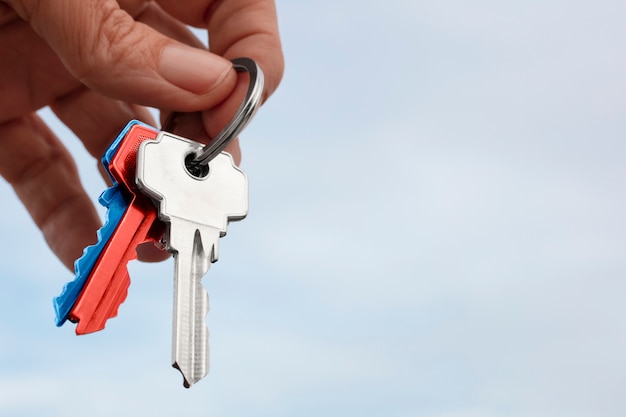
192, 69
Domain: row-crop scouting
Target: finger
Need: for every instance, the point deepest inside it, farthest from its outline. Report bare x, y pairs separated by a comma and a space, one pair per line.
107, 50
45, 178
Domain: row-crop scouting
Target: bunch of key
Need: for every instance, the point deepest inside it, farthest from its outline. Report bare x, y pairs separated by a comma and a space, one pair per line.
169, 191
155, 197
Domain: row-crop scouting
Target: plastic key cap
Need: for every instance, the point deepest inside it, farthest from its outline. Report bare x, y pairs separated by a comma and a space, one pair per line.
107, 285
116, 203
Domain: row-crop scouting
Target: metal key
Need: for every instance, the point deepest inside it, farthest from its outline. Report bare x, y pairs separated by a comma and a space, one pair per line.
116, 204
108, 282
196, 207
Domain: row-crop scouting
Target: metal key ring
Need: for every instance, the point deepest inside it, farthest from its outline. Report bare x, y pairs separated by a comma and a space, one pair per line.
243, 115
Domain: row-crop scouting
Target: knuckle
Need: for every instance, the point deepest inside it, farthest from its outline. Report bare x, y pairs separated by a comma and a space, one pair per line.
108, 46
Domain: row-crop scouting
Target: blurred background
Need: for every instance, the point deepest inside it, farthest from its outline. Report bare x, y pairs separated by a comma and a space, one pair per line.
436, 228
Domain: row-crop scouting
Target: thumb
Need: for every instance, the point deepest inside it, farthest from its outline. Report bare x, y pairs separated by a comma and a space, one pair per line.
110, 52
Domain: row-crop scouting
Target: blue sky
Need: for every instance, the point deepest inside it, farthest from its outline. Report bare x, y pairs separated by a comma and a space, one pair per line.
436, 229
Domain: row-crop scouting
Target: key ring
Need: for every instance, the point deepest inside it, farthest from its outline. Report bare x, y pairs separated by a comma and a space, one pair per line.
243, 115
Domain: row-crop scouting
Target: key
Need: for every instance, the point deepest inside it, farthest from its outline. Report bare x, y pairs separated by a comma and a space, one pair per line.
115, 202
196, 207
107, 285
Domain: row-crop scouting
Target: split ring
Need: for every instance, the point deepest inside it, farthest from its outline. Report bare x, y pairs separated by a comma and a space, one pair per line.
246, 110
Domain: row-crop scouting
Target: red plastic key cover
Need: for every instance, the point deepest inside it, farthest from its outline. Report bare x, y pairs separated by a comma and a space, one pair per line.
107, 286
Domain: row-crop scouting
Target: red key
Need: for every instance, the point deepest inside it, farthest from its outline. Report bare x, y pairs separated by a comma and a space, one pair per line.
107, 285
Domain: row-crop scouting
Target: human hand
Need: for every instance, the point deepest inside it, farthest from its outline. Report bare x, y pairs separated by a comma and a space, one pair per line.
97, 64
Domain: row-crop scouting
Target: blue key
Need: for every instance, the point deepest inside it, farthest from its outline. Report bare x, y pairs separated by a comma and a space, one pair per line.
115, 202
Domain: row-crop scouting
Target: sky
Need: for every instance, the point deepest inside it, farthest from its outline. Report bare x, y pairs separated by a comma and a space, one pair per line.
436, 228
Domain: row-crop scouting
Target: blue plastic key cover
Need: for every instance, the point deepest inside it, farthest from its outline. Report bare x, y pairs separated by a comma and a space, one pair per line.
116, 206
115, 202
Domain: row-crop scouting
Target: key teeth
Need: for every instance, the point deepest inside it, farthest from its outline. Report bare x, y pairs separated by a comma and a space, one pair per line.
188, 382
114, 200
86, 327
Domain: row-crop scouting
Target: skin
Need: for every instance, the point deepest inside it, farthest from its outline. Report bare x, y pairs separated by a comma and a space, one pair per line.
98, 64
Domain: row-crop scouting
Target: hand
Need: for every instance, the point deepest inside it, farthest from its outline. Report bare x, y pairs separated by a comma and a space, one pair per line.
97, 63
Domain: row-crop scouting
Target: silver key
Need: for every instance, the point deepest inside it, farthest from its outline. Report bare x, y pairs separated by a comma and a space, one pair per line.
196, 207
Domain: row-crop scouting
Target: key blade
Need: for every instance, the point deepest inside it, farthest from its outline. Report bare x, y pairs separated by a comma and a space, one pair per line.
193, 250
